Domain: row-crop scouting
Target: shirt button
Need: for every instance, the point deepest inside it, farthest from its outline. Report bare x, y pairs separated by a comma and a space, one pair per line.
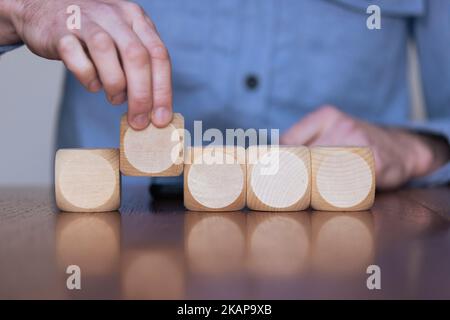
251, 81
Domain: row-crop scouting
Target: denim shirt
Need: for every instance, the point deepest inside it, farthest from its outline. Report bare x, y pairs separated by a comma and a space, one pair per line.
266, 63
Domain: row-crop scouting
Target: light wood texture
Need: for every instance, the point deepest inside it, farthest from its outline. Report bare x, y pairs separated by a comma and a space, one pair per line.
410, 230
87, 180
343, 178
152, 152
278, 178
214, 178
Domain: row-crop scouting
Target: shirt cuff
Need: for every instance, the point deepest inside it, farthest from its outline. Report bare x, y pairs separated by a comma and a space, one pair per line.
9, 47
440, 128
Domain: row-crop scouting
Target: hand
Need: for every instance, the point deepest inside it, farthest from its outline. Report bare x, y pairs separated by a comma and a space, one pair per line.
117, 48
399, 155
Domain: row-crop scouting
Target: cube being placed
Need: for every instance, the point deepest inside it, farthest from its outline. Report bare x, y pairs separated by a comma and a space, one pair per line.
87, 180
214, 178
343, 178
156, 152
278, 178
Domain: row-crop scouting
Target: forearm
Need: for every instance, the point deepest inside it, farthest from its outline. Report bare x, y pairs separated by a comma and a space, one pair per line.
8, 10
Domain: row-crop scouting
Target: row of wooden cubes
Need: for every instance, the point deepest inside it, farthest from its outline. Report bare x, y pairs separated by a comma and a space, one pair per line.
279, 178
218, 178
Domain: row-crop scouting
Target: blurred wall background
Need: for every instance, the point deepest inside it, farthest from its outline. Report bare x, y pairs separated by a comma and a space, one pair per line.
30, 89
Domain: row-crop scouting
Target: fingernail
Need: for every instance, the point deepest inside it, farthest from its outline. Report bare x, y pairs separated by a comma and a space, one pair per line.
118, 98
95, 85
161, 116
140, 121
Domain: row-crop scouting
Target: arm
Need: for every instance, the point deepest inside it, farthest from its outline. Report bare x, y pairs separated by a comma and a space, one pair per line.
432, 36
117, 48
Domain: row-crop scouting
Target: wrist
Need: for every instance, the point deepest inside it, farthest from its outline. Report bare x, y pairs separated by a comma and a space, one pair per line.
429, 153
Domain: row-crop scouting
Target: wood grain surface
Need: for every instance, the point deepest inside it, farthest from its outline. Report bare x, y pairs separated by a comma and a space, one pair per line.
278, 178
154, 248
214, 178
87, 180
343, 178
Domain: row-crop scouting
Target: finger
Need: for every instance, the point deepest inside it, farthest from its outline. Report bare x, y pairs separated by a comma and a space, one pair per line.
105, 57
76, 60
309, 129
161, 71
303, 132
322, 140
137, 66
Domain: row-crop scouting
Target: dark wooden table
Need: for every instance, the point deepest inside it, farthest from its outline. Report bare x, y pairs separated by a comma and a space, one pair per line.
154, 249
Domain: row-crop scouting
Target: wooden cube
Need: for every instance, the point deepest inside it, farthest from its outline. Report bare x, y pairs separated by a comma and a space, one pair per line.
278, 178
343, 178
214, 178
87, 180
152, 152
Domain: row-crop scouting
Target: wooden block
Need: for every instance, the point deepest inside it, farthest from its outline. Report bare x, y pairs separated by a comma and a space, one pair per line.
278, 178
152, 152
87, 180
214, 178
343, 178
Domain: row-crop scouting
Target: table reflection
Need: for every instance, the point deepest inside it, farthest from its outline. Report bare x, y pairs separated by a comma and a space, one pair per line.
153, 274
158, 250
90, 241
219, 253
278, 243
343, 242
215, 242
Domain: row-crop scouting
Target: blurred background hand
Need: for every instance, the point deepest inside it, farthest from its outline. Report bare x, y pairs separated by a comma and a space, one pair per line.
399, 155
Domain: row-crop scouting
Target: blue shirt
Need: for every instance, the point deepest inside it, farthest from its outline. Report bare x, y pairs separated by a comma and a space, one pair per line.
304, 53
